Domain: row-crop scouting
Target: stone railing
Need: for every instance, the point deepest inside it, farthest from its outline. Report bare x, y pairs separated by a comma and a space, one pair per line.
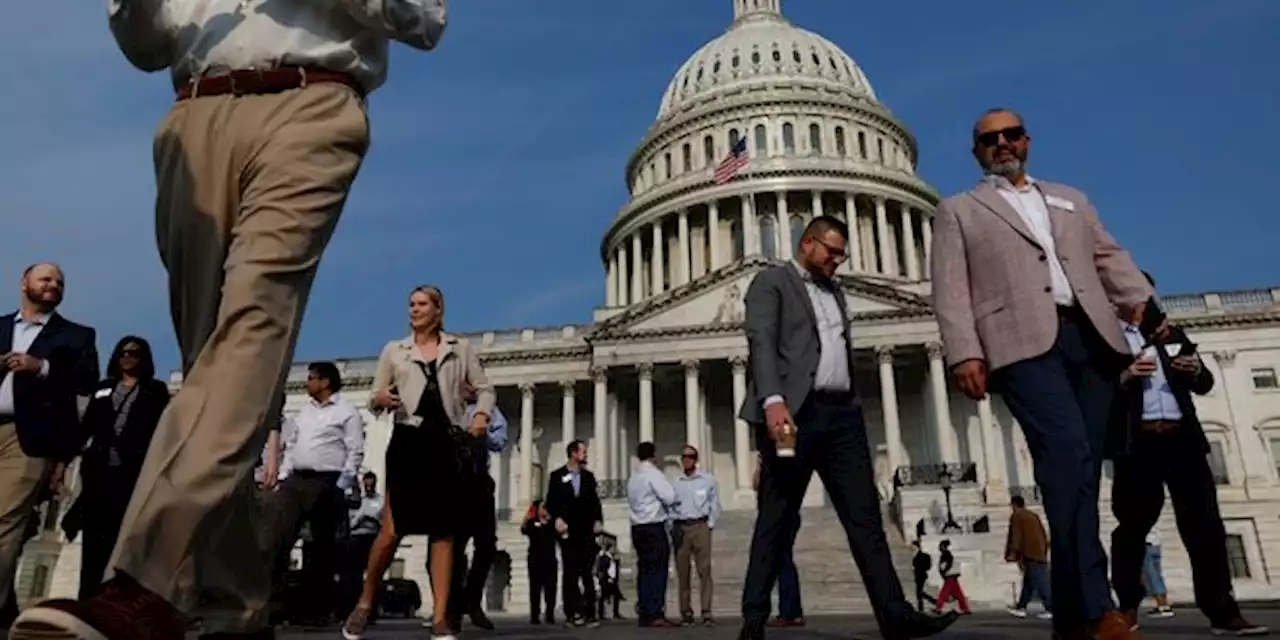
611, 489
932, 474
1030, 493
1222, 301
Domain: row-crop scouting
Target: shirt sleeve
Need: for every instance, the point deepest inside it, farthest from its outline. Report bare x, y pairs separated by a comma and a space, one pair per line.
417, 23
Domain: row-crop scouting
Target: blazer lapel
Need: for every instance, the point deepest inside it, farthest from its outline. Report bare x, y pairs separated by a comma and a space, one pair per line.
44, 341
990, 198
797, 284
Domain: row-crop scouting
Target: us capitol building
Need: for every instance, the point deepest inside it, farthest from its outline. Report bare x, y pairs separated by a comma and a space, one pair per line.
664, 358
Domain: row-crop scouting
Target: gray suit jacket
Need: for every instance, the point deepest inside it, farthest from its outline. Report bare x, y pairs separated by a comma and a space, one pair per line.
782, 336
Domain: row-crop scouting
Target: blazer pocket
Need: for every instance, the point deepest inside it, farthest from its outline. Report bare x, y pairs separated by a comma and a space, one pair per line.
987, 308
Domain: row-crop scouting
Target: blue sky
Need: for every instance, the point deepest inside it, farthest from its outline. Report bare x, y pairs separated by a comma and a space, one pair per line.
497, 160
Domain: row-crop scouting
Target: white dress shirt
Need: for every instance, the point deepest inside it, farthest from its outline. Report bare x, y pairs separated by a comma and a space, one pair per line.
205, 37
1158, 401
24, 333
325, 437
1029, 202
649, 495
833, 350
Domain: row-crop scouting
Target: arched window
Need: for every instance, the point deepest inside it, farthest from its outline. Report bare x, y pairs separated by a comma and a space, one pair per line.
815, 139
788, 138
733, 137
666, 163
762, 141
841, 149
880, 148
686, 160
797, 231
739, 243
862, 144
708, 151
768, 237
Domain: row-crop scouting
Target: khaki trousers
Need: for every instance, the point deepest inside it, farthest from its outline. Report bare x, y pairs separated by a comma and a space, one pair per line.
695, 545
249, 192
21, 478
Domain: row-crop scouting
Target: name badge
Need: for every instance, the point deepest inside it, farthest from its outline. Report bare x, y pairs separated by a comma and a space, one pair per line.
102, 393
1061, 203
567, 479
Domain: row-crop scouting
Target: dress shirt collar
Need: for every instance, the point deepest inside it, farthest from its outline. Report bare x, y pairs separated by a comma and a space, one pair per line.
39, 320
1001, 182
334, 399
808, 276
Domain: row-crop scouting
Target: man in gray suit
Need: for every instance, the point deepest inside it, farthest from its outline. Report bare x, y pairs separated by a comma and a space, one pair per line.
802, 381
1027, 287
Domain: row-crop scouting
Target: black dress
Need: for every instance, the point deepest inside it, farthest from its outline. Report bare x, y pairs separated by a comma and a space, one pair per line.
423, 473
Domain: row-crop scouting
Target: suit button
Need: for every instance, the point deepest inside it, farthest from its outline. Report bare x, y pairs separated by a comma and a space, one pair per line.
1048, 289
1043, 257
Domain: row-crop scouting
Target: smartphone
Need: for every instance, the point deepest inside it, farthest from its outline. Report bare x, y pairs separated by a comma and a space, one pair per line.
1152, 318
1188, 349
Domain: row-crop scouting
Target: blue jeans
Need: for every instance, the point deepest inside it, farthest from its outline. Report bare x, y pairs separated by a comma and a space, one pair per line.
1153, 572
1035, 581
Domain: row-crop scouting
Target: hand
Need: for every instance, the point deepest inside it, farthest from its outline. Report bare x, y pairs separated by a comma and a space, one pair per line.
386, 399
597, 527
480, 425
1142, 367
971, 377
1187, 364
778, 419
22, 362
1139, 311
57, 478
561, 527
270, 477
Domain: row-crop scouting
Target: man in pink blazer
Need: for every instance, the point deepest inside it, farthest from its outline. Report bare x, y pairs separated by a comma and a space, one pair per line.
1027, 289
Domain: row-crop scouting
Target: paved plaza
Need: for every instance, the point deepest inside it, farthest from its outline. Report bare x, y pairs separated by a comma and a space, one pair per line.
980, 626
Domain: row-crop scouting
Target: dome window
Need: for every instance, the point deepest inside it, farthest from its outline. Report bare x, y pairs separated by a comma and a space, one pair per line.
736, 60
795, 55
777, 56
708, 151
716, 68
699, 74
815, 140
817, 62
841, 148
686, 159
755, 57
788, 138
762, 141
768, 237
862, 144
666, 161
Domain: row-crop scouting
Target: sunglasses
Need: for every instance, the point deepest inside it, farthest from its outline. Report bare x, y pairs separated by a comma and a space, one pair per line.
689, 456
132, 353
992, 138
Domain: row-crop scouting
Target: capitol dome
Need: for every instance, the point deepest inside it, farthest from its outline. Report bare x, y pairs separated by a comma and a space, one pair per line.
817, 141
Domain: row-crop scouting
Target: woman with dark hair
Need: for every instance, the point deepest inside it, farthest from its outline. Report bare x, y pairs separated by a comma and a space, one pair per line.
121, 416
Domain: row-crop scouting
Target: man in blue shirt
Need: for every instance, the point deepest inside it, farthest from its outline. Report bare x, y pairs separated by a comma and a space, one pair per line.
694, 517
481, 527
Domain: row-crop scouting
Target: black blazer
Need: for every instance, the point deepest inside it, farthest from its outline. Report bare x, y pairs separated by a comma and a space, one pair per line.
580, 512
45, 409
1126, 409
134, 439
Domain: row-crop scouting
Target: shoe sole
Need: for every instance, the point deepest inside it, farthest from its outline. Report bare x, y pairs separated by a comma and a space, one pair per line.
42, 623
1241, 634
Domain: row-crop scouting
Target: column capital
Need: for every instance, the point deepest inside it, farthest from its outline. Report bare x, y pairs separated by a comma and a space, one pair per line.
568, 386
645, 370
526, 389
691, 367
934, 349
599, 374
1225, 358
884, 353
738, 364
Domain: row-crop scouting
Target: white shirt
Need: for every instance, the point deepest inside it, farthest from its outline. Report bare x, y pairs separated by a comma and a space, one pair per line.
649, 495
1158, 401
833, 350
1029, 202
203, 37
325, 437
24, 333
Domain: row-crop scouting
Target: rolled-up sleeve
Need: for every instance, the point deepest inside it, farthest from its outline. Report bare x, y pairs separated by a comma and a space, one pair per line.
417, 23
143, 32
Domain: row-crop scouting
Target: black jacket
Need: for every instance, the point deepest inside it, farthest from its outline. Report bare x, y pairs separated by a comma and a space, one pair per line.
542, 540
1126, 409
98, 425
579, 512
45, 409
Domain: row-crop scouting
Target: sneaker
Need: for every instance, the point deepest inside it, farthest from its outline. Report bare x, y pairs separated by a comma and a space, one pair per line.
686, 620
1045, 615
1017, 612
786, 622
122, 610
1161, 612
356, 623
708, 621
1238, 627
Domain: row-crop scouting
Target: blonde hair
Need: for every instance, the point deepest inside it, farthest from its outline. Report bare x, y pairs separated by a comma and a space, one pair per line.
436, 295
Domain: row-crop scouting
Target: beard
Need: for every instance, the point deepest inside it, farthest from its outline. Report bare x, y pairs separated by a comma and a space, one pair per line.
1007, 169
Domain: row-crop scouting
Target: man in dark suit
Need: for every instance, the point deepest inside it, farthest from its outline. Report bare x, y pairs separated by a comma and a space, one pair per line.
574, 507
802, 383
47, 362
1155, 440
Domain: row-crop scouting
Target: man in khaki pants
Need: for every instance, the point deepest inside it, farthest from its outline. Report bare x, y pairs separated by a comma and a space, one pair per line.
253, 166
45, 362
694, 517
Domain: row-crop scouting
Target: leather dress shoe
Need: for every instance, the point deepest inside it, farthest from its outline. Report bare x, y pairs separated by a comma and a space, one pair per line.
752, 630
919, 625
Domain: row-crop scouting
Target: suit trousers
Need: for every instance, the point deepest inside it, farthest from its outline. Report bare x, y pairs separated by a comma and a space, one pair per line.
468, 580
542, 586
694, 548
831, 439
1137, 497
314, 498
789, 607
653, 558
250, 189
21, 478
577, 555
1062, 399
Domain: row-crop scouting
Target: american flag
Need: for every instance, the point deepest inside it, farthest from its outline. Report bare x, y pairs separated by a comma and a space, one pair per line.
732, 163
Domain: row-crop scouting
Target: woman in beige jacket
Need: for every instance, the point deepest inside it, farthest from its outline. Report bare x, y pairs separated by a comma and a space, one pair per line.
422, 379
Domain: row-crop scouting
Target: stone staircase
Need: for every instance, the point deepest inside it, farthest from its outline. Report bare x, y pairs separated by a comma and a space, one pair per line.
830, 579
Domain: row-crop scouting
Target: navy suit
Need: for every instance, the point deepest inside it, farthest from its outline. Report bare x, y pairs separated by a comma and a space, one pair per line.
45, 409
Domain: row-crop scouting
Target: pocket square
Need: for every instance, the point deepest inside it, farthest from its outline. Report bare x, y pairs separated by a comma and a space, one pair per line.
1061, 203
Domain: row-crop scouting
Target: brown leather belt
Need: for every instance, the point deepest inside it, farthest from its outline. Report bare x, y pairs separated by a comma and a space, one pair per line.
1158, 426
261, 81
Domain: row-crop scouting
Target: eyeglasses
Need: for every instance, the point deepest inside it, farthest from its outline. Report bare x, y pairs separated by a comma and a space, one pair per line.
837, 254
1011, 134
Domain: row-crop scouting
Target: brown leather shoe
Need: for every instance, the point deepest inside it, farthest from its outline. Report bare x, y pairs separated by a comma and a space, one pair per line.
122, 610
1131, 617
1115, 626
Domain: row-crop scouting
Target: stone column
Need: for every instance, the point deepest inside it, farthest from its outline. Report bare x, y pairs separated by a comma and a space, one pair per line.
600, 413
657, 262
993, 451
855, 234
692, 426
685, 268
713, 229
567, 417
816, 206
526, 443
611, 283
884, 242
784, 226
645, 373
909, 243
926, 238
618, 463
744, 462
624, 283
948, 444
750, 226
889, 407
637, 268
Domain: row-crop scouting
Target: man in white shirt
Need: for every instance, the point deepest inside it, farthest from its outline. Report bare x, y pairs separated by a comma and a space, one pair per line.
650, 499
253, 166
323, 451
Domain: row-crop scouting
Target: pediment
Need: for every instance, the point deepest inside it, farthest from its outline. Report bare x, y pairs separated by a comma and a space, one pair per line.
716, 300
